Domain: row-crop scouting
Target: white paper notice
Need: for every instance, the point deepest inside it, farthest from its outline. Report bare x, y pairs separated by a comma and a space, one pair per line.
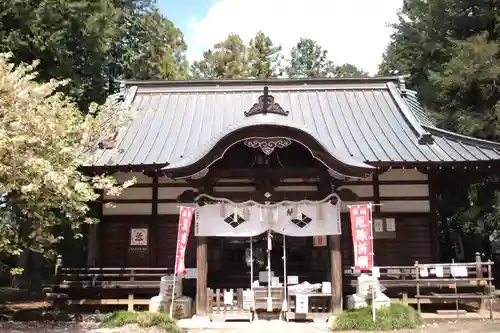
439, 271
423, 271
228, 297
376, 272
302, 303
458, 271
292, 279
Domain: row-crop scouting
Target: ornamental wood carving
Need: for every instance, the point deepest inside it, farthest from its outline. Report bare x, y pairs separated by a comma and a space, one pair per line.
266, 104
267, 145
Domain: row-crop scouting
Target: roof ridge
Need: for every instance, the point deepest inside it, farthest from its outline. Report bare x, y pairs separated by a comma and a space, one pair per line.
415, 124
369, 79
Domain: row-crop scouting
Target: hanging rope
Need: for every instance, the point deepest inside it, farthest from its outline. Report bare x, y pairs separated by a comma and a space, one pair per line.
251, 273
269, 277
255, 203
285, 303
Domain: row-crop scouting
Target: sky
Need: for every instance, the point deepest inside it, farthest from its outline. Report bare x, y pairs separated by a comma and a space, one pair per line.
354, 31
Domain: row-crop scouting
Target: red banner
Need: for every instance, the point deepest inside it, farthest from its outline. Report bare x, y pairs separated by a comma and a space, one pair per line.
361, 237
185, 218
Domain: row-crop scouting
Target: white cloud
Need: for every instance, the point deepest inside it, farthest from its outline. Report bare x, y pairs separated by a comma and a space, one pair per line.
353, 31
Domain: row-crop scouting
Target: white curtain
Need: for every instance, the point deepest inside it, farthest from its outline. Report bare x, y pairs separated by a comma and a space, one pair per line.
228, 221
225, 220
308, 220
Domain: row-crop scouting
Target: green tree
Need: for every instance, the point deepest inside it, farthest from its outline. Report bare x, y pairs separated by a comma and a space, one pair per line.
70, 37
92, 42
149, 46
309, 60
450, 49
44, 138
348, 70
227, 60
265, 58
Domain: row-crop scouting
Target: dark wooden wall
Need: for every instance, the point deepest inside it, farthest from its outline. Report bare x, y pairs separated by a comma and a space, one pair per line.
413, 242
114, 238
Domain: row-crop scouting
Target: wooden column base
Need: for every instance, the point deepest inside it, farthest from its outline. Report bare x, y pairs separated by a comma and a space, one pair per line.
201, 277
334, 244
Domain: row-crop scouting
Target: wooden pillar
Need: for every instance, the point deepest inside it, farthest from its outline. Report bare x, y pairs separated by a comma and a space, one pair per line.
154, 236
376, 192
92, 245
434, 223
201, 277
334, 243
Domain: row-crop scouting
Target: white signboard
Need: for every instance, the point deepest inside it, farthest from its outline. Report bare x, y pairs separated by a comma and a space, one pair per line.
301, 304
190, 273
228, 297
390, 224
139, 237
378, 225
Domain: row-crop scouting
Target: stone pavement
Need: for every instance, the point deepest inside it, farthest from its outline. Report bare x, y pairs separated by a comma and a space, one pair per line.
462, 326
263, 326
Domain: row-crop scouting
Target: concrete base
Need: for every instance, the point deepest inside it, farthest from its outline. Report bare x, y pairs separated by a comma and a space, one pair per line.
159, 304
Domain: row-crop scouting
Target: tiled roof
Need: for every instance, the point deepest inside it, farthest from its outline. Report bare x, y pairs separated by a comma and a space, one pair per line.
357, 120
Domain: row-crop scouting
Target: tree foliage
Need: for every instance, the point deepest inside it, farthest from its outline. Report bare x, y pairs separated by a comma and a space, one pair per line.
92, 42
227, 60
349, 70
264, 57
451, 49
44, 138
149, 47
310, 60
69, 37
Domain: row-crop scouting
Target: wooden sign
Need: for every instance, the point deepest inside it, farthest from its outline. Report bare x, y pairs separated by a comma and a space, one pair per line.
319, 241
390, 224
139, 237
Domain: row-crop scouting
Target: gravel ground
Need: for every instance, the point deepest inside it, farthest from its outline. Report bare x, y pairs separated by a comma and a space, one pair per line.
476, 326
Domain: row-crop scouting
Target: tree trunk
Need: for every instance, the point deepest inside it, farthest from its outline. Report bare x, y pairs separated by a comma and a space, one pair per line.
31, 278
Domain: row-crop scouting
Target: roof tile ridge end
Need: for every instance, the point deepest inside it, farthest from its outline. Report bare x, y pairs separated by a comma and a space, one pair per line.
464, 138
424, 136
129, 96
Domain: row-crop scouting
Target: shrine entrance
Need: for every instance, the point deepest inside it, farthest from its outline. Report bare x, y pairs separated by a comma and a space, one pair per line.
261, 187
229, 259
234, 267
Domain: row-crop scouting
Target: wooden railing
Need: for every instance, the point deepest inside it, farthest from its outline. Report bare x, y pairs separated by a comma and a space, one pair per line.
229, 304
412, 286
107, 286
247, 304
453, 283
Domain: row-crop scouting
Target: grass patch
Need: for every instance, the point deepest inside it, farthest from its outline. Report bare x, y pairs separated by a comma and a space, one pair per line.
394, 317
142, 319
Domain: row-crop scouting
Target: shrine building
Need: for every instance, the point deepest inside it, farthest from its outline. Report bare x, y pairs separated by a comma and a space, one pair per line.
322, 143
